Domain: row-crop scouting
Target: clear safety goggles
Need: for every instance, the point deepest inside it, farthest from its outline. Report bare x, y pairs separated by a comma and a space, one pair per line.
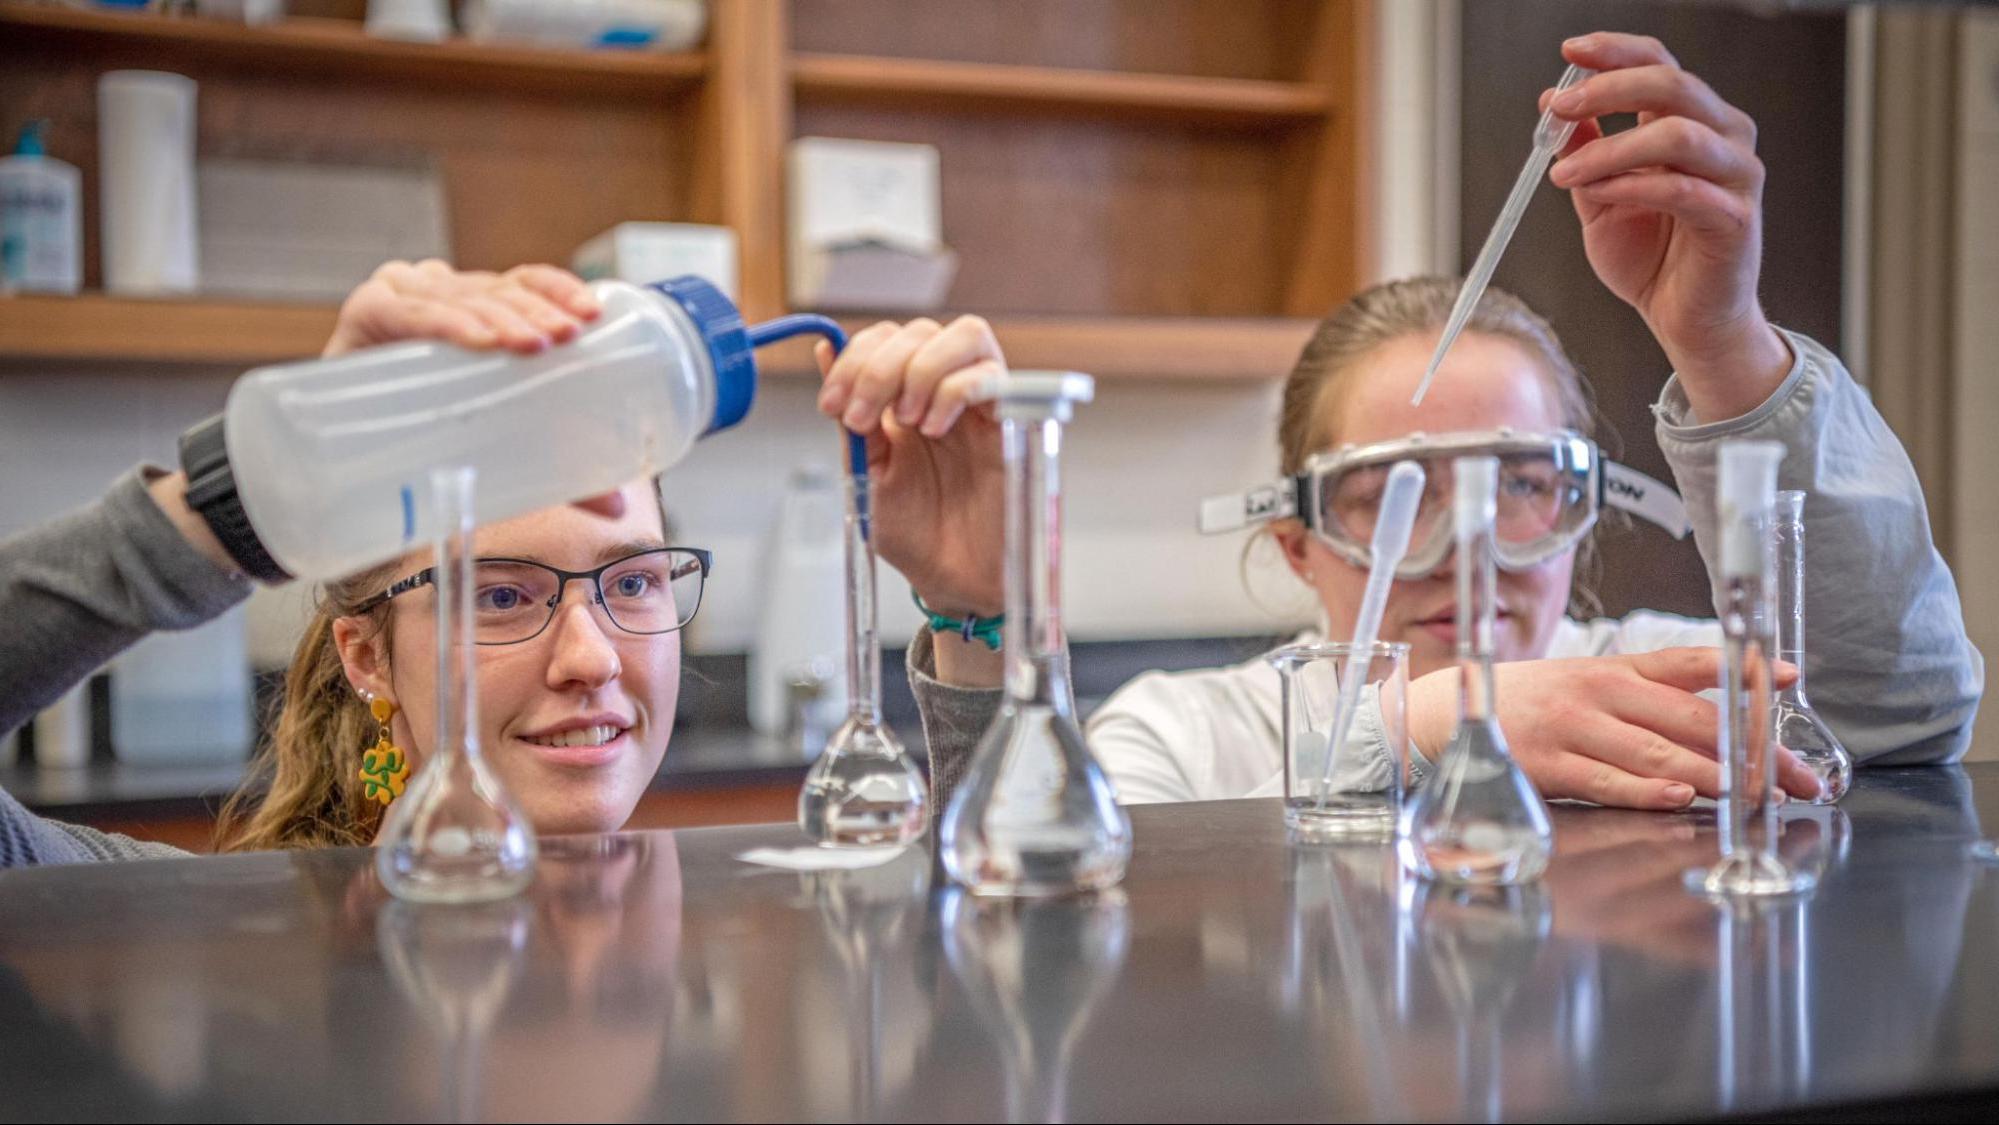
1551, 488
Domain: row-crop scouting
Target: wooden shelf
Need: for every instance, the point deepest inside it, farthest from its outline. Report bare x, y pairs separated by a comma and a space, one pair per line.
1191, 349
100, 328
121, 330
340, 47
861, 79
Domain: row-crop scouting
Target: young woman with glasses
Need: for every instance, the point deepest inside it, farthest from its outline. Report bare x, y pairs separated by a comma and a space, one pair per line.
579, 607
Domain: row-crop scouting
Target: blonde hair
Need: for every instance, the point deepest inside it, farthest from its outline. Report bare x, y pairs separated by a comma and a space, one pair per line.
305, 790
1309, 418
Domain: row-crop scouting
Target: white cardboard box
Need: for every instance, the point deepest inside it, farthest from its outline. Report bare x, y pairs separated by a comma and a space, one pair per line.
866, 229
312, 231
642, 253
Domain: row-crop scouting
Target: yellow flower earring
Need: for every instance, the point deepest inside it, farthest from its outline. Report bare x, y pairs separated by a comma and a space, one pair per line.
384, 766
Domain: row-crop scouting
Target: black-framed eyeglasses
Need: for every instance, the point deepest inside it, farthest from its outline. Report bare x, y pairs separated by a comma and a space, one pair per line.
513, 600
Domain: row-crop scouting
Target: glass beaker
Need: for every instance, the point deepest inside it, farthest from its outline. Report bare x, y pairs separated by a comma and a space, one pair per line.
1747, 744
1799, 728
1034, 814
456, 835
863, 791
1479, 820
1352, 791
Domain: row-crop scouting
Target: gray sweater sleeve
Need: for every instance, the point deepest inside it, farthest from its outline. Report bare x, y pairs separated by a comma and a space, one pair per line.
954, 719
1887, 661
81, 588
28, 840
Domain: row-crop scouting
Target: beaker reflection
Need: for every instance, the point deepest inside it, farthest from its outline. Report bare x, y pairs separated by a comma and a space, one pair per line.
1034, 970
1343, 963
457, 965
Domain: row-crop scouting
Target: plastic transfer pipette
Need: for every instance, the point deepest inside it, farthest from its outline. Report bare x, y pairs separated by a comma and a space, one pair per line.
1400, 498
1550, 136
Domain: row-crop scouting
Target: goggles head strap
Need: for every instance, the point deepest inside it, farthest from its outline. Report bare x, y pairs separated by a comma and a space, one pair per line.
1629, 490
1236, 510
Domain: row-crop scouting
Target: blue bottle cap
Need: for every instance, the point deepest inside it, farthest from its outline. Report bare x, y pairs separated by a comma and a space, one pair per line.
721, 328
31, 143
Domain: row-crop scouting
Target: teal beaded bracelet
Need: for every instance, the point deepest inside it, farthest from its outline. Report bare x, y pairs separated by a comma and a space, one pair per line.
986, 629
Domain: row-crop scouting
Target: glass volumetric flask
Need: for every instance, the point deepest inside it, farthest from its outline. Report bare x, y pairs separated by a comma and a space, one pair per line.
1479, 820
456, 835
1799, 728
1034, 814
863, 791
1747, 742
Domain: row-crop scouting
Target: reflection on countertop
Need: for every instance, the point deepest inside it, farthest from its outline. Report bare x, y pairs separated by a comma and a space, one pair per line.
1233, 975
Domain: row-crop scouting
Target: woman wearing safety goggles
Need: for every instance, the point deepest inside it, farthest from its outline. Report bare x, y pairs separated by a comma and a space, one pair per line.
1601, 710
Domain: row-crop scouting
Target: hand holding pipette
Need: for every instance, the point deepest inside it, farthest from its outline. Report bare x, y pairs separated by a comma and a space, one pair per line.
938, 479
1400, 499
1672, 216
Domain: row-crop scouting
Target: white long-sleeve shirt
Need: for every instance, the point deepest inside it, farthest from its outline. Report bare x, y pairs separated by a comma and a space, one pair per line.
1890, 667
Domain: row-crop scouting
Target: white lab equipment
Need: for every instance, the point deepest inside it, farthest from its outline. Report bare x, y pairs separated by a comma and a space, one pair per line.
801, 625
181, 697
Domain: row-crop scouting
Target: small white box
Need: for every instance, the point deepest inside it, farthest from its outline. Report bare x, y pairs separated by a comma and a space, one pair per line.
642, 253
865, 226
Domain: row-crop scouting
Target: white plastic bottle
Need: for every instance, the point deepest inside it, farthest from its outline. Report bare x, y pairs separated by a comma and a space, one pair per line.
802, 622
328, 457
41, 219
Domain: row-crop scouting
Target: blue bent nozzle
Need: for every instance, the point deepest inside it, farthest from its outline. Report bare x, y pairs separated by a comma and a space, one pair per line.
729, 347
812, 324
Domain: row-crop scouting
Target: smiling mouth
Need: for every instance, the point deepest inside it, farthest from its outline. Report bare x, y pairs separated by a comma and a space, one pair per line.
597, 735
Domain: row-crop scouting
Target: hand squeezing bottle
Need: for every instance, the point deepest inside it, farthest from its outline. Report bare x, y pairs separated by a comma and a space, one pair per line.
318, 468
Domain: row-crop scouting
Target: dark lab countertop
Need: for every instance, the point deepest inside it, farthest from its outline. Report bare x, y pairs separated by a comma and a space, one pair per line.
652, 975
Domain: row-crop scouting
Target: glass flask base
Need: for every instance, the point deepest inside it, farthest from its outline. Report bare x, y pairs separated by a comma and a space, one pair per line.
1041, 864
1987, 850
1478, 855
1339, 819
863, 798
1035, 817
1750, 876
1834, 770
436, 881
